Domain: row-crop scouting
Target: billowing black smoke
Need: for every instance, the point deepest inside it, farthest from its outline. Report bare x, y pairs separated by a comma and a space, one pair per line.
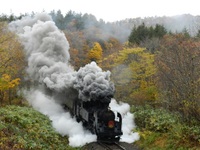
47, 52
94, 84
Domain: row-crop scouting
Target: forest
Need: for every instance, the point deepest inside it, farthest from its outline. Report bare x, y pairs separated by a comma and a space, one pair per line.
154, 66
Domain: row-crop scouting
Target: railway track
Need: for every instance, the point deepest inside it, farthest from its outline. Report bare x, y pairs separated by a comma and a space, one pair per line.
113, 146
99, 145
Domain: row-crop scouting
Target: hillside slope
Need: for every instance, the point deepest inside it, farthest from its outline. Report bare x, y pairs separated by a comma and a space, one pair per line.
24, 128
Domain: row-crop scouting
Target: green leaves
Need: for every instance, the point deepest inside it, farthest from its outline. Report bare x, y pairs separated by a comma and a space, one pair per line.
141, 33
25, 128
172, 132
158, 120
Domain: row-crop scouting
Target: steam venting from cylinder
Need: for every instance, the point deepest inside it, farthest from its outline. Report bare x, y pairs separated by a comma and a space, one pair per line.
47, 52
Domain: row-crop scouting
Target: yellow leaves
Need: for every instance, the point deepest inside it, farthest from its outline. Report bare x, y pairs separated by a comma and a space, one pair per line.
95, 54
135, 67
12, 63
5, 77
6, 82
139, 61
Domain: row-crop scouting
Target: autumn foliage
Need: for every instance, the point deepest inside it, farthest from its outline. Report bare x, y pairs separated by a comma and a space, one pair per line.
154, 71
179, 79
6, 82
134, 76
11, 65
95, 54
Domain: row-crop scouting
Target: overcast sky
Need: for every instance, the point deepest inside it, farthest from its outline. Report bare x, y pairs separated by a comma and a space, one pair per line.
108, 10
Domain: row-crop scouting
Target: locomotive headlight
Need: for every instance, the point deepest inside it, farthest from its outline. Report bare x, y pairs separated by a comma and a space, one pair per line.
111, 124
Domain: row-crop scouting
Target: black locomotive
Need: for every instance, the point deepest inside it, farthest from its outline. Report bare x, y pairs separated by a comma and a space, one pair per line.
97, 117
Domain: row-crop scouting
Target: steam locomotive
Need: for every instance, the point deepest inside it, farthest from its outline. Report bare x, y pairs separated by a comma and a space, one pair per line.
97, 117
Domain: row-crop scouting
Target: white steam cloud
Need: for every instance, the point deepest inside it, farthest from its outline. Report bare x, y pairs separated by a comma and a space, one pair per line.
127, 121
46, 48
61, 120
